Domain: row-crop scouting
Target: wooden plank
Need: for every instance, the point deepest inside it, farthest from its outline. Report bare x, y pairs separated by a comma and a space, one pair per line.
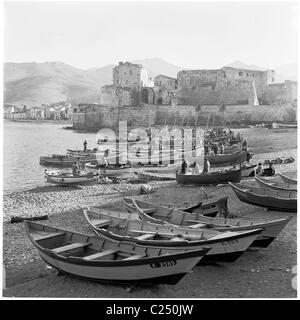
145, 236
136, 256
161, 234
69, 247
99, 255
48, 235
198, 225
101, 222
176, 239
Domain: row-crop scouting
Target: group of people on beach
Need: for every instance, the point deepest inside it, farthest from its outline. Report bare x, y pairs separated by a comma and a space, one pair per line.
270, 171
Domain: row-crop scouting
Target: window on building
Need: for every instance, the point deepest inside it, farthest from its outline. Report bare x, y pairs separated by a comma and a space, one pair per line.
131, 72
246, 74
240, 73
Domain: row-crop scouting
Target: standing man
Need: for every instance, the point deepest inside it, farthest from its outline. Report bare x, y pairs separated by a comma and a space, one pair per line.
206, 166
84, 145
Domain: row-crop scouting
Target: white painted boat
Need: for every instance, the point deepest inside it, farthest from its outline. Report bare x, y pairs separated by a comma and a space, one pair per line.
103, 260
159, 214
287, 179
67, 178
225, 246
65, 160
109, 171
276, 185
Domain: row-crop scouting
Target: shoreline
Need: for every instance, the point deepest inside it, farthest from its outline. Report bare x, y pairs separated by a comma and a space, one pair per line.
259, 273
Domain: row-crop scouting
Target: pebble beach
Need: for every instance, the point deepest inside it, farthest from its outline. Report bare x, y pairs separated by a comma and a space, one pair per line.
258, 273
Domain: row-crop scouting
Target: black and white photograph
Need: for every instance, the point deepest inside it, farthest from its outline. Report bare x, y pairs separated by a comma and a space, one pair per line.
149, 151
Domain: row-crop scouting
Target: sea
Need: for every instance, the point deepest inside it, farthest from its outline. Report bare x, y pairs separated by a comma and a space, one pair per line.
25, 142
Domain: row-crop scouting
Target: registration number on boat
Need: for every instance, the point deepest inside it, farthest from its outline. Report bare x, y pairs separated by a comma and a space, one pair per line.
226, 243
163, 264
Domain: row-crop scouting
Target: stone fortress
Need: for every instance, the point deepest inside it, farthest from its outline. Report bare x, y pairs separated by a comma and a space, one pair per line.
143, 101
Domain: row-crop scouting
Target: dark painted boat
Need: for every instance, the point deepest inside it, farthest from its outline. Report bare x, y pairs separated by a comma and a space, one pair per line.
225, 246
279, 200
276, 185
214, 177
159, 214
104, 260
220, 160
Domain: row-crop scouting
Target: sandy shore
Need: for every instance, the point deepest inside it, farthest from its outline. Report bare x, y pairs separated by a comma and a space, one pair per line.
258, 273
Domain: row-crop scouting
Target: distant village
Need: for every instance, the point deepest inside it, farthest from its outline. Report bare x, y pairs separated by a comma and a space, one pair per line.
54, 111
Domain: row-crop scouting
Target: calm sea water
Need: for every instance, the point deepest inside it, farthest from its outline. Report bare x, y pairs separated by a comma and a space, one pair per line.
25, 142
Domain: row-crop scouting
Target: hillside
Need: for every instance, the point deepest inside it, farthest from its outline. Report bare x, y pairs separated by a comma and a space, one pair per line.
36, 83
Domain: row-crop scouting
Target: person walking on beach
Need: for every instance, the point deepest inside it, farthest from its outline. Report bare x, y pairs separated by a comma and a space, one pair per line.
259, 169
183, 167
244, 144
84, 145
206, 166
75, 169
221, 148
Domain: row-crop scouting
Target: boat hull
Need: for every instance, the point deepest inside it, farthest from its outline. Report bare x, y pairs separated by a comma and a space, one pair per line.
272, 203
209, 178
65, 180
227, 159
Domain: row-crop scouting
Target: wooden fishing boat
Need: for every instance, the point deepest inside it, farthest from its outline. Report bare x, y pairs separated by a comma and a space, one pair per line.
67, 178
214, 177
276, 185
248, 171
82, 152
279, 200
231, 149
65, 160
225, 246
108, 171
207, 207
277, 125
227, 159
103, 260
287, 179
160, 214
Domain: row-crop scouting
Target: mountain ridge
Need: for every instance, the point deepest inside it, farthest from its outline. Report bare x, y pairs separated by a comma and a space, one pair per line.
34, 83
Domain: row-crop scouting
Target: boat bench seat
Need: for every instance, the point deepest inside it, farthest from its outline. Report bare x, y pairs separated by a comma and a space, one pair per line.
197, 225
99, 255
145, 237
48, 235
101, 222
176, 239
149, 210
70, 247
134, 257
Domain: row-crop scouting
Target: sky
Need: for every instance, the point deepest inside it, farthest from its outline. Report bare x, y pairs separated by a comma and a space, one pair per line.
187, 34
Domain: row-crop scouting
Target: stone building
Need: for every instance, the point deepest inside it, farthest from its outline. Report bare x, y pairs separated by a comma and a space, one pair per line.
223, 86
285, 92
131, 75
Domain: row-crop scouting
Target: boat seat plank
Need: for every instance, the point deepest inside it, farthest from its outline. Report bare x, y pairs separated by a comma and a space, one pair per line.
101, 222
145, 236
48, 235
69, 247
198, 225
134, 257
176, 239
99, 255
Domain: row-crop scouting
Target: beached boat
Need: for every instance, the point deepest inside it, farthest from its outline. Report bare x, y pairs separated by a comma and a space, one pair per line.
103, 260
65, 160
67, 178
287, 179
108, 171
277, 125
207, 207
225, 246
214, 177
248, 171
276, 185
278, 200
82, 152
160, 214
227, 159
